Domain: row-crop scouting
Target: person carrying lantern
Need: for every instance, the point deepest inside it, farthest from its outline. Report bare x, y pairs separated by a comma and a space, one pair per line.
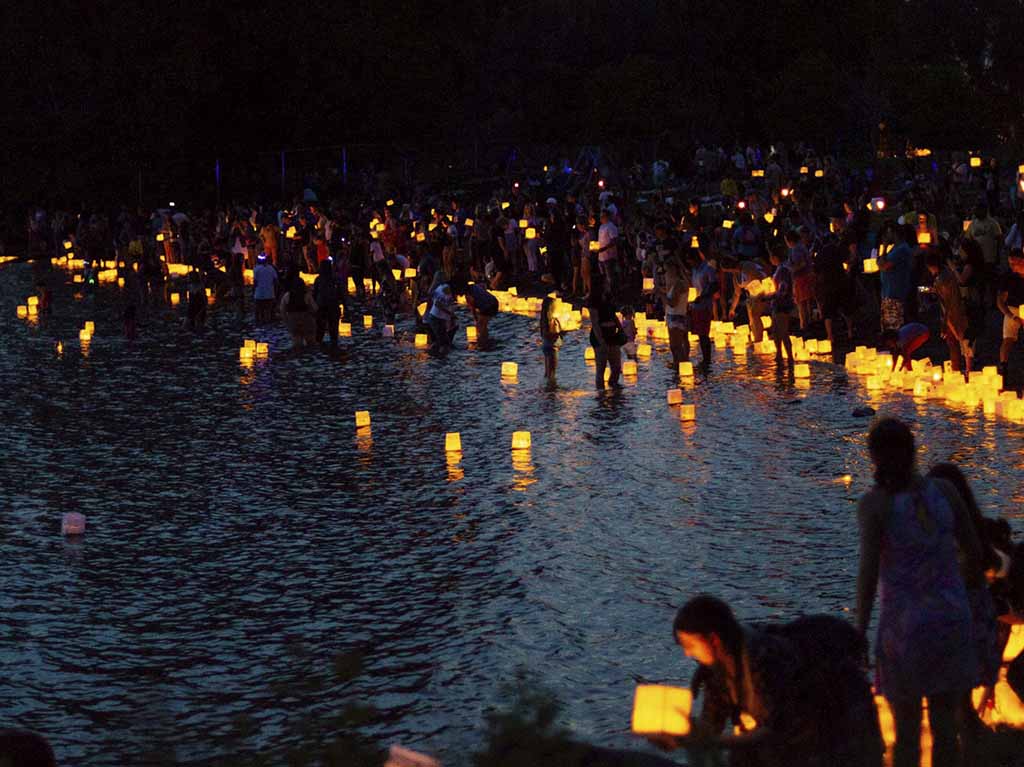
794, 693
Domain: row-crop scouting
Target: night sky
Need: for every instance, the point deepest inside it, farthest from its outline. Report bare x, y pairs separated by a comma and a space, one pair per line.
98, 91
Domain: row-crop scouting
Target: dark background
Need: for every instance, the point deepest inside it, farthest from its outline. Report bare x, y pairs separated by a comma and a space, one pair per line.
97, 92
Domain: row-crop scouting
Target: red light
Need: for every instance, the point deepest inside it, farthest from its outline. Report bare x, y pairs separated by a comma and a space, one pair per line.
742, 204
515, 185
600, 184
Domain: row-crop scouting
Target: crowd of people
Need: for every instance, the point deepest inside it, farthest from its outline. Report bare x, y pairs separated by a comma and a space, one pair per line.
822, 251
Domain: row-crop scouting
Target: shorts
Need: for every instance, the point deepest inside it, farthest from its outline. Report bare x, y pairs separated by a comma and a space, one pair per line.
803, 287
780, 325
700, 321
677, 321
1012, 325
892, 314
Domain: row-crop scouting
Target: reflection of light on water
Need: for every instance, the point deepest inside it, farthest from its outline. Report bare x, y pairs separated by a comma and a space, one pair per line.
453, 458
248, 377
523, 467
364, 443
85, 348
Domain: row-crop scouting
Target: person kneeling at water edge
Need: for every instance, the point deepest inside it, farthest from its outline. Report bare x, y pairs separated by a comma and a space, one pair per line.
795, 693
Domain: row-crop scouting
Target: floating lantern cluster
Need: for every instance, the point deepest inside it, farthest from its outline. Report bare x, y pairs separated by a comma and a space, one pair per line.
934, 382
252, 350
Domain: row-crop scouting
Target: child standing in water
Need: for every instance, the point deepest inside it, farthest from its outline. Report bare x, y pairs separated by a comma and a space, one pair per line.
782, 306
551, 335
629, 328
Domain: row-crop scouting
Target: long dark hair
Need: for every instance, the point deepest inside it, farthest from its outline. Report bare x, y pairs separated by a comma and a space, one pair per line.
706, 615
952, 474
891, 445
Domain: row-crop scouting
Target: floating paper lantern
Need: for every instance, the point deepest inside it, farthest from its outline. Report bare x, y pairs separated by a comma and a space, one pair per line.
727, 224
688, 412
160, 237
686, 369
22, 312
802, 370
819, 173
77, 278
410, 274
757, 173
345, 329
72, 523
674, 396
804, 170
422, 341
262, 349
84, 335
245, 354
661, 710
629, 368
504, 206
471, 333
824, 347
643, 351
531, 233
469, 223
523, 223
453, 442
421, 237
691, 295
769, 217
870, 265
362, 419
520, 440
367, 321
695, 241
975, 162
509, 370
588, 354
874, 382
648, 283
68, 245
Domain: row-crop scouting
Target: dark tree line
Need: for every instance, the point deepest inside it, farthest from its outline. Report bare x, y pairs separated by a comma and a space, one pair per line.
97, 90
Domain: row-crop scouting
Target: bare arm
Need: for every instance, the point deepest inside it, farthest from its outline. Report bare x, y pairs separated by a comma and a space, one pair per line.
1001, 303
869, 517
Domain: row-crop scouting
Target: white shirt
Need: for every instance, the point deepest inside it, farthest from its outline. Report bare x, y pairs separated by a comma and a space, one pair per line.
605, 236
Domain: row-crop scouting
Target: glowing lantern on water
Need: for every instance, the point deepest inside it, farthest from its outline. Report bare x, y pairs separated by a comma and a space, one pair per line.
629, 368
68, 245
452, 442
90, 326
687, 412
249, 343
870, 265
175, 299
695, 241
160, 237
531, 233
874, 382
471, 333
504, 206
588, 354
345, 329
520, 440
22, 312
396, 273
523, 223
420, 237
422, 341
727, 224
84, 335
648, 283
509, 370
819, 173
431, 227
661, 710
410, 274
389, 203
245, 354
804, 170
975, 162
802, 370
686, 369
72, 523
674, 396
769, 217
824, 347
367, 321
362, 419
77, 278
469, 223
